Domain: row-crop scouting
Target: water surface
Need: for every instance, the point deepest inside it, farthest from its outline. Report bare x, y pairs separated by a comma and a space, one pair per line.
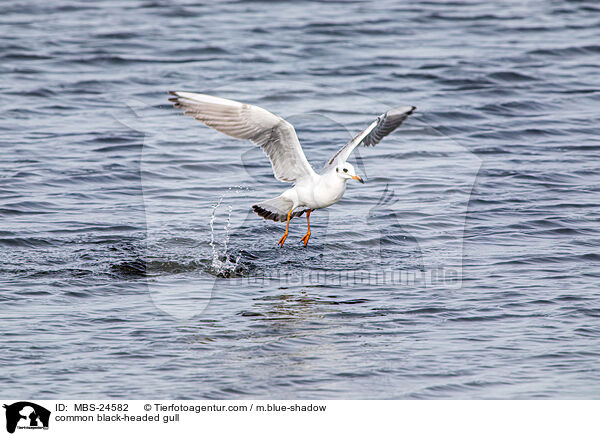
131, 264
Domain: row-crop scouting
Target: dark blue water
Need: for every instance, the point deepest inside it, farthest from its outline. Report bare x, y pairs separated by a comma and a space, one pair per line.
131, 264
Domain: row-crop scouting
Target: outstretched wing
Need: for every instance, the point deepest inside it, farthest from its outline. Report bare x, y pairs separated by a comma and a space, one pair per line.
273, 134
380, 128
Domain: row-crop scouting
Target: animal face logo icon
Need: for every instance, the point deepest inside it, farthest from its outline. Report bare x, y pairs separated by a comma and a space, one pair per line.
24, 414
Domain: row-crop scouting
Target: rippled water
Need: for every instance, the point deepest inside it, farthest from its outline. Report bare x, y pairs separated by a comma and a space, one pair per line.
132, 265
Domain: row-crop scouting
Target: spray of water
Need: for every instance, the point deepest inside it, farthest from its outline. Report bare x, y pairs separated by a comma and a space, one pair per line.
223, 264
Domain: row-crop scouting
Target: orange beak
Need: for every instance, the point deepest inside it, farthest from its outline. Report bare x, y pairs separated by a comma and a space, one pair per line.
358, 179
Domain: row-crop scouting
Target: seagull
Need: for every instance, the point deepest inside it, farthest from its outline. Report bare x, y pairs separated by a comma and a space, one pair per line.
278, 139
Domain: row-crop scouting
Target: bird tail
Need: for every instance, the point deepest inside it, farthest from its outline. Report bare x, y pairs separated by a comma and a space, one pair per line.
276, 209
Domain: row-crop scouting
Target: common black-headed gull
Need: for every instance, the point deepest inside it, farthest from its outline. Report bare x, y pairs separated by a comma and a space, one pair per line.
278, 139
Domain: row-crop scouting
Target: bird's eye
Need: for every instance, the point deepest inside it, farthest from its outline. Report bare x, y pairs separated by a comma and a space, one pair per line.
337, 170
345, 170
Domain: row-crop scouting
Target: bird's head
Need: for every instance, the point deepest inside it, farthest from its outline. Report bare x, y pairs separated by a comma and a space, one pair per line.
346, 171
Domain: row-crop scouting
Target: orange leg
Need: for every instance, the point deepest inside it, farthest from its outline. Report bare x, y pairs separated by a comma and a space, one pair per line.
307, 236
283, 238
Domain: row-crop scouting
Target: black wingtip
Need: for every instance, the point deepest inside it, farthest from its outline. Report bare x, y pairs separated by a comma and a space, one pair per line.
401, 111
411, 110
172, 93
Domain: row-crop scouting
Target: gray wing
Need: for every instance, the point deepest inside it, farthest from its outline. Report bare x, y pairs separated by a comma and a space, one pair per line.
380, 128
273, 134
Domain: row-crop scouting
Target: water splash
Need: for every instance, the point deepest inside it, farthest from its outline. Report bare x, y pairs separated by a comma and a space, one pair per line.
224, 264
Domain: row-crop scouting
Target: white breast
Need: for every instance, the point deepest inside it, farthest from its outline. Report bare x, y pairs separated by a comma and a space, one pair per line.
328, 190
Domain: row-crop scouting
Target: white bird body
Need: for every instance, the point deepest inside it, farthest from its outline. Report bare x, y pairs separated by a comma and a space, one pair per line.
328, 190
278, 139
317, 192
